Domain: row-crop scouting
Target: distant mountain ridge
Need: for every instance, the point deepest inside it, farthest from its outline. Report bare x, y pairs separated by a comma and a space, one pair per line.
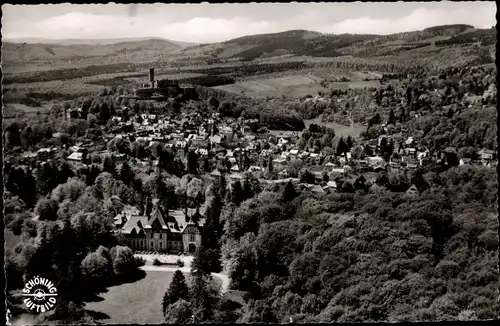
48, 41
432, 46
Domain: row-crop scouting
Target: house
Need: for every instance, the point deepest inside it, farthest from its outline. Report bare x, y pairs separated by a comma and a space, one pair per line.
337, 171
361, 162
409, 141
294, 152
330, 185
75, 113
486, 155
422, 155
347, 168
381, 138
226, 131
395, 165
78, 149
282, 141
411, 162
180, 144
171, 231
279, 160
330, 165
45, 153
287, 135
413, 191
254, 168
283, 174
317, 189
76, 156
235, 168
119, 158
250, 137
410, 151
465, 160
235, 177
374, 160
318, 176
216, 175
201, 151
29, 157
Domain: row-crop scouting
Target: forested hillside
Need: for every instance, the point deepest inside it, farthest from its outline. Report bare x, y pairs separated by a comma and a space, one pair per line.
427, 42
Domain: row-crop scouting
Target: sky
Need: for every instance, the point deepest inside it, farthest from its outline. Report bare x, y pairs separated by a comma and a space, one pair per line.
207, 23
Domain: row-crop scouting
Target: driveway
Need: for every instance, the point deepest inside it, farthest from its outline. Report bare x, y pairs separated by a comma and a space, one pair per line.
166, 258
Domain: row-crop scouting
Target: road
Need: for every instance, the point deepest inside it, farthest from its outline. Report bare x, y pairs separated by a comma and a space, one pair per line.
224, 278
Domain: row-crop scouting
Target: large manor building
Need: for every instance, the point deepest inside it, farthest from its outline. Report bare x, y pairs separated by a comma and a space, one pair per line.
173, 231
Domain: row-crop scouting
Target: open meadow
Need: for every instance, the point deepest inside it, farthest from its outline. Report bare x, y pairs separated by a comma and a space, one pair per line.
299, 85
11, 240
340, 130
138, 302
135, 303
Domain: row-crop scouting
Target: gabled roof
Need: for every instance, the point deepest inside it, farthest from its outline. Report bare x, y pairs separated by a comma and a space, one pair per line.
317, 189
215, 173
255, 168
131, 224
75, 156
156, 215
331, 184
412, 189
283, 172
176, 221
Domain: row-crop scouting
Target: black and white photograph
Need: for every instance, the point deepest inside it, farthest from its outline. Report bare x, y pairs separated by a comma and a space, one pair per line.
272, 163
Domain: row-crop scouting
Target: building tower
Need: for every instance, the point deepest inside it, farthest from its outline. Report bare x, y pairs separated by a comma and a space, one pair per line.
152, 77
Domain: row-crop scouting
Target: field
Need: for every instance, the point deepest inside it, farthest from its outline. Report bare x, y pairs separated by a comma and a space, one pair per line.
138, 302
134, 303
298, 85
11, 240
340, 130
77, 86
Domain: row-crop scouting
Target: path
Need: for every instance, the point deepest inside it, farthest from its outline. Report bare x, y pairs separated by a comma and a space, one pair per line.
224, 278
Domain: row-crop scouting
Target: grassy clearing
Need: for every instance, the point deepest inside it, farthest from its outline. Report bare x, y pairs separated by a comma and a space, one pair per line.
299, 85
28, 109
290, 86
75, 86
340, 130
138, 302
11, 240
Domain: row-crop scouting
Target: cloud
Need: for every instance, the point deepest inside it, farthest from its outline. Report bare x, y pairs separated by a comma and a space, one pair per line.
218, 29
419, 19
215, 23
